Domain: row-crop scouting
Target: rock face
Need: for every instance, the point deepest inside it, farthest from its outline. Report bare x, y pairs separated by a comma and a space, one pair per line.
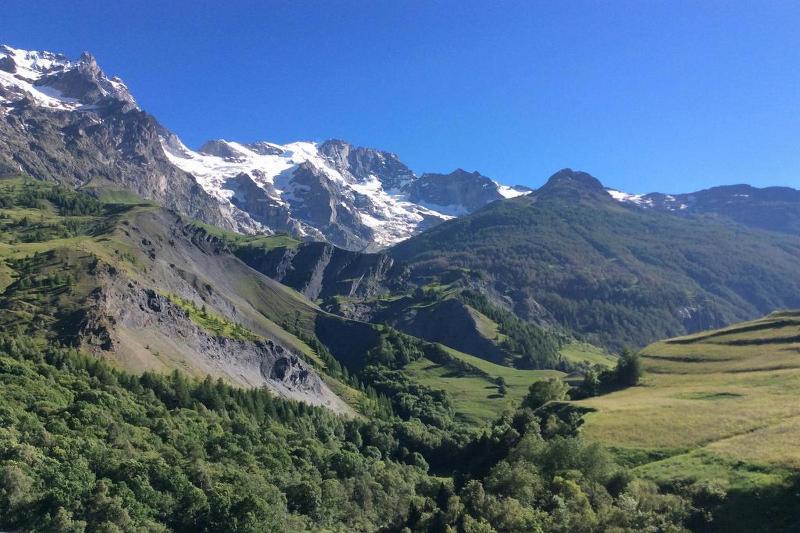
70, 123
352, 197
141, 312
457, 193
356, 198
360, 162
132, 315
320, 270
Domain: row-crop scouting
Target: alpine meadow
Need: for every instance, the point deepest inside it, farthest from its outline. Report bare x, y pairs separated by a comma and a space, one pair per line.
208, 334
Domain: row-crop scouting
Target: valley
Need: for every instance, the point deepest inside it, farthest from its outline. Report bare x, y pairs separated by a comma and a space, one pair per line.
312, 336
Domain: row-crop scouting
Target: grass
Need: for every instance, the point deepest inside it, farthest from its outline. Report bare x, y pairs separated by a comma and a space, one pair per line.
110, 193
212, 322
721, 405
487, 327
475, 397
583, 352
267, 242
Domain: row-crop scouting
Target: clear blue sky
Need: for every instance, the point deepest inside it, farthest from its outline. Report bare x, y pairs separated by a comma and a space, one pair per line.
646, 95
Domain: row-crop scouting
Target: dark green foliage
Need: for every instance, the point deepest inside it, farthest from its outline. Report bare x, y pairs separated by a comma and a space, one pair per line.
394, 349
410, 399
626, 373
84, 443
86, 447
613, 275
542, 392
536, 346
629, 369
78, 211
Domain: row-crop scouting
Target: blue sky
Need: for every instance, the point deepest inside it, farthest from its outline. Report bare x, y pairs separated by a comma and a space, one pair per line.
646, 95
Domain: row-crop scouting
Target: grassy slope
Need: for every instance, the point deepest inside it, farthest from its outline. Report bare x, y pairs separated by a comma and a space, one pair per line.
583, 352
263, 306
475, 397
615, 276
720, 405
113, 237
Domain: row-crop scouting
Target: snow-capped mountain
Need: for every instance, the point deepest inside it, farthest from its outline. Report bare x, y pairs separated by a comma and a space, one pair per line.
770, 208
54, 82
67, 121
357, 198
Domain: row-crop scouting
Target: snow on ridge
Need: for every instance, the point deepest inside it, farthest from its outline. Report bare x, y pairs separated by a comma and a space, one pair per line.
388, 213
510, 192
31, 64
624, 197
43, 96
31, 72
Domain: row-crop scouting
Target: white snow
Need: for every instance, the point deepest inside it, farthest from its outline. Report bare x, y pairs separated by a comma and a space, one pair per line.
32, 66
388, 213
670, 202
624, 197
510, 192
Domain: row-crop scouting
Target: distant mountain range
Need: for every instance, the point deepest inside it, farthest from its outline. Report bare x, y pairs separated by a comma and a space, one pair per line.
609, 266
772, 208
616, 272
65, 120
68, 121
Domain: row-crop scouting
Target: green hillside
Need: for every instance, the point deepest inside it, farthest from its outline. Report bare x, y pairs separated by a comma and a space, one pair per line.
720, 407
108, 423
615, 275
78, 277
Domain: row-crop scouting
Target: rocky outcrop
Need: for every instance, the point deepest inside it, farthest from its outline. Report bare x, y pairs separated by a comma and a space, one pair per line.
457, 193
136, 322
319, 270
264, 208
70, 123
362, 163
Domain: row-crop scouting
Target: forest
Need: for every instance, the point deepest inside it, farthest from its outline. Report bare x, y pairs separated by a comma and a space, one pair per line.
86, 447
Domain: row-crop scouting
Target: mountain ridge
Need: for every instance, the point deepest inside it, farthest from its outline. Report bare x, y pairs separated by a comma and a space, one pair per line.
568, 253
353, 197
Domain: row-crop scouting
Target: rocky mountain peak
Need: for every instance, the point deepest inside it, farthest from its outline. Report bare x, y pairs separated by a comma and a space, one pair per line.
221, 148
52, 81
455, 194
573, 185
367, 164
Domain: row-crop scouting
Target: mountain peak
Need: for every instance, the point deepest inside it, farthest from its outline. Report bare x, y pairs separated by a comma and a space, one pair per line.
51, 81
574, 185
576, 178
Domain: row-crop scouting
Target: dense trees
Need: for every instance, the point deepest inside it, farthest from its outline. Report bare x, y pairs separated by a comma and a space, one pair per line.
547, 390
535, 346
612, 275
87, 448
626, 373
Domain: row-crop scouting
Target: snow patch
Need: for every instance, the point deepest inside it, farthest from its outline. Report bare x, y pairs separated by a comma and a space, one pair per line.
509, 192
624, 197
